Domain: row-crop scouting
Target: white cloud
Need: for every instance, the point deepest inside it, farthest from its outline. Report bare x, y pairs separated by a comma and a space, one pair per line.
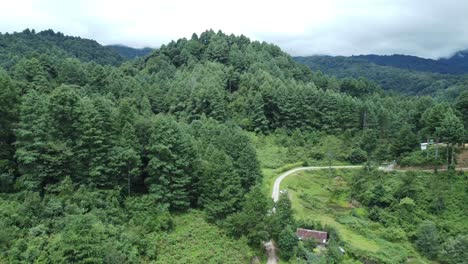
336, 27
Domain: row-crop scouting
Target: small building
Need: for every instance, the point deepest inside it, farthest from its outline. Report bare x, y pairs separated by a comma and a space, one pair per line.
319, 236
424, 146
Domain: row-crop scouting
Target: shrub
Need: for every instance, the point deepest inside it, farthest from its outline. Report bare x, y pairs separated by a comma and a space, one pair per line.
394, 234
359, 212
287, 243
427, 239
455, 250
357, 156
421, 158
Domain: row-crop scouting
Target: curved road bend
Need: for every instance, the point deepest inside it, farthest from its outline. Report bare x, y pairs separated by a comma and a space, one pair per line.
276, 186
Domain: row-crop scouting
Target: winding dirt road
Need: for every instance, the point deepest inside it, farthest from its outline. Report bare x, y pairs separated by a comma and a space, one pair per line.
276, 186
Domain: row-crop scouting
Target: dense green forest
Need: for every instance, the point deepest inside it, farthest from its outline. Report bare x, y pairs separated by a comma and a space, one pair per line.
408, 81
103, 163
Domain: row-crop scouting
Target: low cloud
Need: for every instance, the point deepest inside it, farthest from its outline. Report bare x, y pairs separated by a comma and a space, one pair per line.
427, 28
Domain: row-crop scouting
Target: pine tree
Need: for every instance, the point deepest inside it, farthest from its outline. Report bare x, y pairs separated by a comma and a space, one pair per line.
256, 114
125, 162
462, 106
432, 118
451, 130
218, 49
220, 187
71, 72
252, 220
283, 215
9, 104
172, 163
287, 242
41, 158
90, 145
405, 141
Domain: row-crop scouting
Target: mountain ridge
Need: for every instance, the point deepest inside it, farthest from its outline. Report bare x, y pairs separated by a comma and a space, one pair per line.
407, 80
28, 43
454, 64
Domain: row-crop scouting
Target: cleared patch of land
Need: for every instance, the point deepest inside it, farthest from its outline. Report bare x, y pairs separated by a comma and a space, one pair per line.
323, 196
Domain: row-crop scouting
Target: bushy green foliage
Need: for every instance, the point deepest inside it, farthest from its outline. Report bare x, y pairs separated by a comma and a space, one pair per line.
424, 158
427, 239
283, 216
253, 220
454, 250
413, 201
195, 241
173, 163
287, 242
357, 156
96, 160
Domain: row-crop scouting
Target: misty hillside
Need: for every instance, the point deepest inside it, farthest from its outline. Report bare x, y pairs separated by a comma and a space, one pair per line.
30, 43
408, 81
455, 64
129, 52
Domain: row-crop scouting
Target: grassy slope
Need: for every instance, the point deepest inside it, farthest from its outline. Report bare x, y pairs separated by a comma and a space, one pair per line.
276, 159
312, 199
195, 241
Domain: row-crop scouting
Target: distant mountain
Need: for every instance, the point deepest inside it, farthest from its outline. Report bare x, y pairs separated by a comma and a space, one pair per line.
456, 64
55, 44
408, 80
460, 59
130, 53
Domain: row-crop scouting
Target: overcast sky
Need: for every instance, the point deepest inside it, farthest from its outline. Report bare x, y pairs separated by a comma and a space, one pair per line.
426, 28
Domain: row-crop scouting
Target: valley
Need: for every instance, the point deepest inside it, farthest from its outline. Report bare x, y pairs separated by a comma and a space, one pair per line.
172, 155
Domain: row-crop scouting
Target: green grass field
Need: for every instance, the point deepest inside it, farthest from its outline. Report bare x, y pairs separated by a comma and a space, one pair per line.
318, 197
195, 241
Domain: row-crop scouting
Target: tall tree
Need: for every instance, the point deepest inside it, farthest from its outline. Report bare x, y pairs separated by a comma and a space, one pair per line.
451, 130
287, 242
172, 165
427, 239
461, 105
405, 141
283, 215
71, 71
9, 104
220, 186
252, 220
90, 145
41, 158
432, 118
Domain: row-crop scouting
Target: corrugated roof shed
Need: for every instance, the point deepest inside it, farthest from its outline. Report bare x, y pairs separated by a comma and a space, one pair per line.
319, 236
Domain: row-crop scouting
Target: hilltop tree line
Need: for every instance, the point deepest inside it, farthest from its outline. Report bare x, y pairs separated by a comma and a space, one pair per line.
56, 45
